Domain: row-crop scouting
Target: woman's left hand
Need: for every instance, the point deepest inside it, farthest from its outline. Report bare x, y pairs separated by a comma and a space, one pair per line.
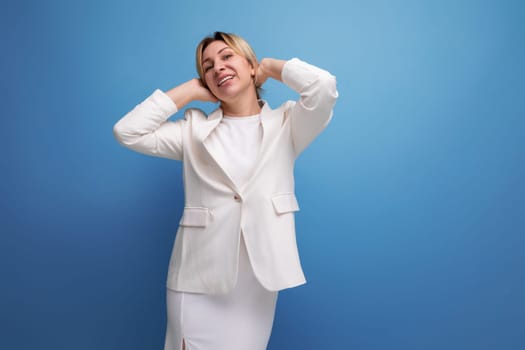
268, 68
260, 75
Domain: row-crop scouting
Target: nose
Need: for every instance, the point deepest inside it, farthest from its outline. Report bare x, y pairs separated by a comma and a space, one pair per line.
219, 67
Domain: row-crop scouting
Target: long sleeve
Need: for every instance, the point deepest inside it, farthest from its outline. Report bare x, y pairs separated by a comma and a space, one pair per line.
146, 128
318, 93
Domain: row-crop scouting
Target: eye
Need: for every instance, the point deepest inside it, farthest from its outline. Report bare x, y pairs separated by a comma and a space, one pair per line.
207, 68
227, 56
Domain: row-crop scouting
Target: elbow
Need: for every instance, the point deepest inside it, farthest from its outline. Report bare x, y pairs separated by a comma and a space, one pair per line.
328, 86
322, 93
119, 133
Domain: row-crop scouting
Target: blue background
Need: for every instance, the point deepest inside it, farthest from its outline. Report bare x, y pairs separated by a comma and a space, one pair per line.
412, 221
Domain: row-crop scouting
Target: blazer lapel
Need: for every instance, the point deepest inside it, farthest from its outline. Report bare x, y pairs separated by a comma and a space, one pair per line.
214, 118
205, 129
271, 121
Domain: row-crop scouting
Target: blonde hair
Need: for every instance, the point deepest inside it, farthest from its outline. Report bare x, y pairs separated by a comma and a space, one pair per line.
236, 43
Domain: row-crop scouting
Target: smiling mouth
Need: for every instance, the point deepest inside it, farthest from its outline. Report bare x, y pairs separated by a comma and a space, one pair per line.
225, 79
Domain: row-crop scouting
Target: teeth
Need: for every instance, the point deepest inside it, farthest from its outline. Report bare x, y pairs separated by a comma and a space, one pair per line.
224, 79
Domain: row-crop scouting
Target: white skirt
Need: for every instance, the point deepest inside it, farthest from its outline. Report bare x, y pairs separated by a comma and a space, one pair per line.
239, 320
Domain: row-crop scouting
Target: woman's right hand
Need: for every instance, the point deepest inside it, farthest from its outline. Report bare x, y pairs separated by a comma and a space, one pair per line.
201, 92
192, 90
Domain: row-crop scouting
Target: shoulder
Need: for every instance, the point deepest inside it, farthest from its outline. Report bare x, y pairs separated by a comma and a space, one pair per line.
282, 108
191, 114
195, 118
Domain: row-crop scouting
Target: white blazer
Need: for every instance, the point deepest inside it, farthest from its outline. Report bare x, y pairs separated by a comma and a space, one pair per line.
206, 249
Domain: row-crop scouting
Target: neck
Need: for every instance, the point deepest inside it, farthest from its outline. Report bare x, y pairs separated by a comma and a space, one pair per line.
241, 106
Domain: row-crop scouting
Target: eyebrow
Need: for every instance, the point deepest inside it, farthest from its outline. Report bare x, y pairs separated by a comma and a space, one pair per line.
221, 50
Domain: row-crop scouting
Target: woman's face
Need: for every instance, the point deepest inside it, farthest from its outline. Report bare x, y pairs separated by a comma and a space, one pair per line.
226, 73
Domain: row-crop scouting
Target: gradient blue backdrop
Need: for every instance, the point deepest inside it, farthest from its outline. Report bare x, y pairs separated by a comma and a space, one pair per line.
412, 219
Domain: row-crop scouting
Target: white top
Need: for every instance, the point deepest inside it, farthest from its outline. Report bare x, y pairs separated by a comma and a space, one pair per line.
236, 141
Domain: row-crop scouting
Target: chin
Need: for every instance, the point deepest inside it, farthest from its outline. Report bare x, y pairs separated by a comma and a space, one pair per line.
228, 96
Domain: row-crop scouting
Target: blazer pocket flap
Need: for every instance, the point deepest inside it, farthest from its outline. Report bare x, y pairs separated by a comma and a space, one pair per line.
195, 217
285, 203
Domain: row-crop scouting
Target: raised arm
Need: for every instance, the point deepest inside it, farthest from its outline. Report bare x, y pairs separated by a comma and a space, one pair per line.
192, 90
146, 128
317, 90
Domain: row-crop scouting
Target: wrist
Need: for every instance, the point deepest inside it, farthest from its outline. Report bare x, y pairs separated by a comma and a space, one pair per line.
265, 66
272, 68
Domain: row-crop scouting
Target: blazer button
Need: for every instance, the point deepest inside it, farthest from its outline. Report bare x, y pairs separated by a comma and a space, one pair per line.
237, 198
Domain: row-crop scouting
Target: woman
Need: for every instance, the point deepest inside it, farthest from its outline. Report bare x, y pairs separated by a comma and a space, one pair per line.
235, 247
